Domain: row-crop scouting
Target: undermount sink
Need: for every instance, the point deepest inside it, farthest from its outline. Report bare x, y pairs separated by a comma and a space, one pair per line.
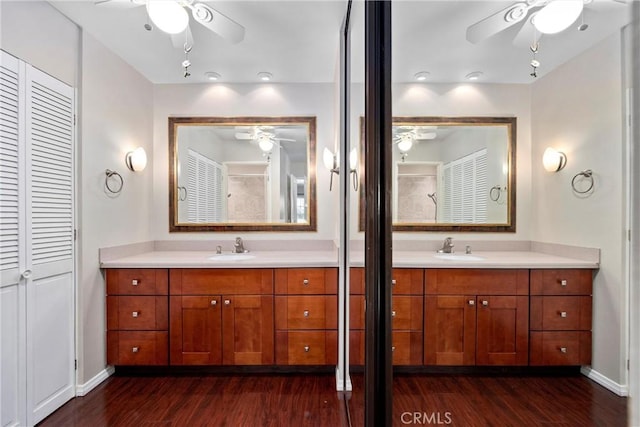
459, 257
231, 257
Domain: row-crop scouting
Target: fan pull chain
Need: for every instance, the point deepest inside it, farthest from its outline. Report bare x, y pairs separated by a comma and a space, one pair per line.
186, 63
534, 62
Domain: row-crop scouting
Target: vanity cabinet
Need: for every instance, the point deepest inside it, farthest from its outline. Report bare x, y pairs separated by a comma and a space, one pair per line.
561, 307
221, 316
476, 317
406, 316
306, 318
137, 317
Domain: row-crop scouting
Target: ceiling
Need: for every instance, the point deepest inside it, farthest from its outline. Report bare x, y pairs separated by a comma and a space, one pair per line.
298, 41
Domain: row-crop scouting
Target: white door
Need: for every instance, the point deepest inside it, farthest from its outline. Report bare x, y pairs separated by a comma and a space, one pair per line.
37, 293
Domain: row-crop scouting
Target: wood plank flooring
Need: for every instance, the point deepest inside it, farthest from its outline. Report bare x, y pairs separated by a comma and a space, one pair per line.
310, 400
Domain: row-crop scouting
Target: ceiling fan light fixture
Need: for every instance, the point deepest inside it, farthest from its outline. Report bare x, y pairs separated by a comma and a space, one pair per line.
212, 75
265, 143
265, 76
405, 144
557, 16
473, 76
421, 76
168, 16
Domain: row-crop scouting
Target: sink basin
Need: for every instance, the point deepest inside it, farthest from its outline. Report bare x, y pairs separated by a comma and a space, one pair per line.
459, 257
231, 257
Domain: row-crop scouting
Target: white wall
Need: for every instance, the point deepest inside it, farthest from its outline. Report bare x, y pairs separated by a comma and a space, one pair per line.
461, 100
577, 109
116, 117
234, 100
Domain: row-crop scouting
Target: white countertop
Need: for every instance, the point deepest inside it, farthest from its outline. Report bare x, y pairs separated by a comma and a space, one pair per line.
288, 259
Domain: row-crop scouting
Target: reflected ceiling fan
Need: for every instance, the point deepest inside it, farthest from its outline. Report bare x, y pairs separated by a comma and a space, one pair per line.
265, 136
405, 136
539, 17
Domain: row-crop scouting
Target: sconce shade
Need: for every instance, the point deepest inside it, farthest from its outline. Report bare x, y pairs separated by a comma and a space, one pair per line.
330, 161
557, 16
168, 16
136, 160
553, 160
353, 159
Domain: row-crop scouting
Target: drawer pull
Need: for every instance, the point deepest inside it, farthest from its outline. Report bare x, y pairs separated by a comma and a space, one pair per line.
134, 282
305, 313
214, 302
227, 302
135, 349
563, 314
485, 303
563, 283
393, 282
305, 282
563, 349
472, 302
393, 348
393, 313
135, 314
306, 349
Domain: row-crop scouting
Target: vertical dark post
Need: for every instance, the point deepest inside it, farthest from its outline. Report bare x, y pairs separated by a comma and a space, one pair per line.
378, 373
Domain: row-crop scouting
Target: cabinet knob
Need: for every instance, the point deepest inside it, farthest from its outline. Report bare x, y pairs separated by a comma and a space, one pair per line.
472, 302
563, 282
134, 282
135, 314
393, 282
563, 314
305, 282
227, 302
393, 348
485, 302
26, 274
393, 313
563, 349
306, 349
305, 313
135, 349
214, 302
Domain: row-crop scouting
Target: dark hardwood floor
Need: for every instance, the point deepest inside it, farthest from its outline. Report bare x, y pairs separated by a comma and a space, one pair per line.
310, 400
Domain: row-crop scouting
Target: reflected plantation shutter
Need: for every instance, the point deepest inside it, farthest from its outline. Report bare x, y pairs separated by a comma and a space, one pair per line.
464, 183
204, 181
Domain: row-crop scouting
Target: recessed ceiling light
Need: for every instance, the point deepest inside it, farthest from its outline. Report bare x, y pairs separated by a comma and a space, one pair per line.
421, 76
473, 76
265, 76
213, 76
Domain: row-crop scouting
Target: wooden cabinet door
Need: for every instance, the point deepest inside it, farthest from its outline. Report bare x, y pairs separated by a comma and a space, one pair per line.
247, 321
195, 330
449, 330
503, 328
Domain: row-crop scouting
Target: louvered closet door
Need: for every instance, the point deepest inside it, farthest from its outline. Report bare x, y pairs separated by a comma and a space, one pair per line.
12, 255
50, 291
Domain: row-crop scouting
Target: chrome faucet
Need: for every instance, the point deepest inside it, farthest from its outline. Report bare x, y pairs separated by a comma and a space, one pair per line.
238, 246
447, 246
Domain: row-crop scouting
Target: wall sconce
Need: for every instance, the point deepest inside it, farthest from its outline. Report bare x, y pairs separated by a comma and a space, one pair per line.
553, 160
331, 162
136, 160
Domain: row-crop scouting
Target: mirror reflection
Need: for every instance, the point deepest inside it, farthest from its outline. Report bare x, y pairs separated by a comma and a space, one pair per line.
453, 174
242, 173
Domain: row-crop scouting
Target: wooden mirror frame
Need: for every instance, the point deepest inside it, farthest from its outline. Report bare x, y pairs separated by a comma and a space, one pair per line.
308, 121
509, 226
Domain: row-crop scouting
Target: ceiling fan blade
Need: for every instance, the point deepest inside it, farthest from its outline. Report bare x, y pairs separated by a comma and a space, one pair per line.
244, 136
427, 135
218, 23
497, 22
284, 139
527, 35
180, 39
118, 4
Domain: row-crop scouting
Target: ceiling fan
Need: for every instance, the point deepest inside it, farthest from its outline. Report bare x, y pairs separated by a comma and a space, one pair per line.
539, 16
171, 17
405, 136
265, 136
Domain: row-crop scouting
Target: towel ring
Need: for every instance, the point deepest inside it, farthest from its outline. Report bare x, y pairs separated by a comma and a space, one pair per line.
588, 174
113, 174
491, 193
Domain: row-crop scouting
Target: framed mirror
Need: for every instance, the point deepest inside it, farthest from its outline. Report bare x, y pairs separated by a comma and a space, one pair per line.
242, 174
452, 174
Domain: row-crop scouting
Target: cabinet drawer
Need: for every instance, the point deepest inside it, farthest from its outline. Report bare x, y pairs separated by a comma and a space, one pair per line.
561, 282
406, 347
560, 313
306, 281
137, 281
469, 281
406, 312
404, 281
216, 281
137, 312
307, 312
560, 348
306, 347
137, 348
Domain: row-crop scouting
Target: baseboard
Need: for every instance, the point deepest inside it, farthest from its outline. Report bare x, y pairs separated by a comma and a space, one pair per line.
619, 389
84, 389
